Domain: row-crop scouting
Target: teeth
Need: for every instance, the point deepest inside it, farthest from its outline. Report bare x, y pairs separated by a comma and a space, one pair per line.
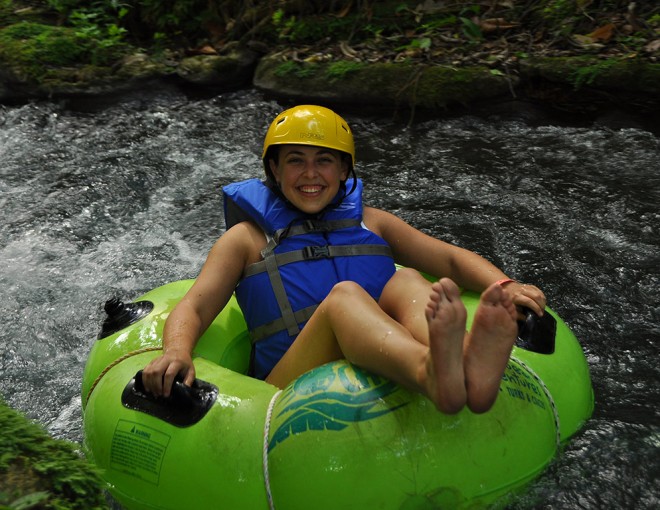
310, 189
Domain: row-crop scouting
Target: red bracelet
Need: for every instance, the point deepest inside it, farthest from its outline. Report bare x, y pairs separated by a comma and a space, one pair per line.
504, 280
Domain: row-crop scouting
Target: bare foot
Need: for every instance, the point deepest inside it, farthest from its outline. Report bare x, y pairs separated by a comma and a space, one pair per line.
445, 378
488, 347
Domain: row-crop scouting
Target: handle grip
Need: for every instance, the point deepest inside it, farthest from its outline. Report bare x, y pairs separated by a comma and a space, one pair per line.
185, 406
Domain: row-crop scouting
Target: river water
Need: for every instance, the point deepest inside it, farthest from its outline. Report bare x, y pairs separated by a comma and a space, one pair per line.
115, 200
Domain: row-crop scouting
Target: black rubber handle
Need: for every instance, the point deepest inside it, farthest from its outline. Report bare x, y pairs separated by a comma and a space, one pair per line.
536, 333
185, 406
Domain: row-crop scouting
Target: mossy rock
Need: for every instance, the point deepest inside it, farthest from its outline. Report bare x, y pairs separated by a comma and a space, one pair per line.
629, 74
37, 471
36, 48
379, 84
227, 71
39, 60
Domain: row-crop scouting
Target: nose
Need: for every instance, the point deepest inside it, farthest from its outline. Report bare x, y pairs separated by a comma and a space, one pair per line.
310, 168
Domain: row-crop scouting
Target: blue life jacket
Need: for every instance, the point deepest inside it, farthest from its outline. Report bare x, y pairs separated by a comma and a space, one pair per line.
305, 257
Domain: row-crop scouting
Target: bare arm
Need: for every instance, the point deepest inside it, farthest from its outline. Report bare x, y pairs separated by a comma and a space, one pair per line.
413, 248
201, 304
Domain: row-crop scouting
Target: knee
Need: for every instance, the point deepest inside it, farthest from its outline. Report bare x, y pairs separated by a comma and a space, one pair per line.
405, 279
345, 291
407, 275
404, 273
344, 295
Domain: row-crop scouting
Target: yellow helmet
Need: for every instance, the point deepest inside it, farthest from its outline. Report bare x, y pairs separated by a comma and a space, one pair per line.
309, 125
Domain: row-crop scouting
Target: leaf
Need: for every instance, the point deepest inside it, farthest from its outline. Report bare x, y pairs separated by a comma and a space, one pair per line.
586, 42
653, 46
494, 24
603, 33
430, 7
471, 29
30, 501
344, 12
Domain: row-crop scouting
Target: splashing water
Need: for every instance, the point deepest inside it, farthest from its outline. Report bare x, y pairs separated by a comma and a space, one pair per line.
121, 199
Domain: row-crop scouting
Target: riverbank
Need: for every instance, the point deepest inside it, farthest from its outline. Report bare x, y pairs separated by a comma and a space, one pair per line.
617, 93
434, 60
39, 472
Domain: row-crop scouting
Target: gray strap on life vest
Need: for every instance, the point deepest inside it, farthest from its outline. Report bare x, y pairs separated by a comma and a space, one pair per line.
317, 226
278, 324
289, 319
319, 252
306, 227
280, 294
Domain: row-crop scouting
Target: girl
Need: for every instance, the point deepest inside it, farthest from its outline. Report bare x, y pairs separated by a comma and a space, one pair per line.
314, 274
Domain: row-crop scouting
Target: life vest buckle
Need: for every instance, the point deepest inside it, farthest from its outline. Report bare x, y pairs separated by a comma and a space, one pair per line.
316, 252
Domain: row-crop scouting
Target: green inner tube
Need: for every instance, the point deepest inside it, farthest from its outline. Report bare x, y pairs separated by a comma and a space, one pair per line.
337, 437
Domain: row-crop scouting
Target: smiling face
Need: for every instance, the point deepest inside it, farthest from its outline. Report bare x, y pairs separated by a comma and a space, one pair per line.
309, 176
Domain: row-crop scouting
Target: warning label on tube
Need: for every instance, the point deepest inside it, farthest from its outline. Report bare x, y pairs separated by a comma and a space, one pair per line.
138, 450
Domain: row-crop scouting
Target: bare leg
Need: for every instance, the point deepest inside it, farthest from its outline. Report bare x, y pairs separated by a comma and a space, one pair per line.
404, 298
453, 370
443, 374
350, 324
488, 347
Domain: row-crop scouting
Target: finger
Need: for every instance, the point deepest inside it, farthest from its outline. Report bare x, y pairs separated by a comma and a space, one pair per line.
152, 379
190, 378
168, 379
538, 298
174, 370
532, 297
527, 302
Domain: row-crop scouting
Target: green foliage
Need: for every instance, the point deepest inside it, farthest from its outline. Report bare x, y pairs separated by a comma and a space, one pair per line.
6, 11
557, 10
422, 43
30, 501
309, 29
471, 30
439, 23
588, 74
558, 16
341, 68
299, 70
66, 6
104, 38
14, 12
37, 47
91, 34
40, 45
37, 471
654, 20
178, 19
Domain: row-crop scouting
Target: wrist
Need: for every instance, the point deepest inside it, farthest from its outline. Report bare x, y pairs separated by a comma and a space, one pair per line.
177, 352
504, 281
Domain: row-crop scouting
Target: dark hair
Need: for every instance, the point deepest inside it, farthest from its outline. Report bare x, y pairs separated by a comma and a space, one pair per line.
273, 152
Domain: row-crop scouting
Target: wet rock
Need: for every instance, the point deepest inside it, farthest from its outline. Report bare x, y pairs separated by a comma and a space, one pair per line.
225, 71
380, 84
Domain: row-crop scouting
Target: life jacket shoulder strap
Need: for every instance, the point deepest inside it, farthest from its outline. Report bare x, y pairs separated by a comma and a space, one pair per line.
307, 227
318, 252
